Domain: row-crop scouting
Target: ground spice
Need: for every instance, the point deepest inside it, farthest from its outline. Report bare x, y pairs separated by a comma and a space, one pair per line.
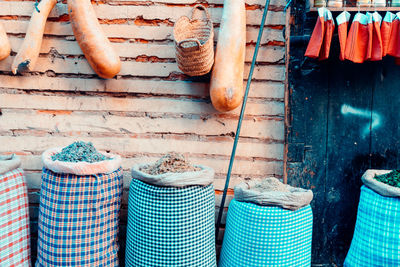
79, 151
270, 184
392, 178
171, 162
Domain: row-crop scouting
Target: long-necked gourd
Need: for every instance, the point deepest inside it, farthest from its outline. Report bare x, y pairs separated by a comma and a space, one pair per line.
226, 86
28, 53
94, 44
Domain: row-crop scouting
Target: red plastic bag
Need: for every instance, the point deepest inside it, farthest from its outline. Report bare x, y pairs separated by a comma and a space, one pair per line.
317, 37
343, 23
357, 41
394, 42
374, 52
329, 28
386, 31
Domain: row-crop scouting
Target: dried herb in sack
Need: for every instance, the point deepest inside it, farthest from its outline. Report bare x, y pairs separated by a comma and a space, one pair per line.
79, 151
171, 162
392, 178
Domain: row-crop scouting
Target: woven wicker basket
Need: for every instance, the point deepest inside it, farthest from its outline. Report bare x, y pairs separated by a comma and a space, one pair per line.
194, 42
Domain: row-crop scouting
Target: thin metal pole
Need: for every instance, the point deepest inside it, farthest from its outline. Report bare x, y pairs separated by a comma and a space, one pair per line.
239, 125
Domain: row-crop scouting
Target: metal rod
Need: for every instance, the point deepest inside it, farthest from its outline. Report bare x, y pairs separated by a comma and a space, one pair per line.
239, 125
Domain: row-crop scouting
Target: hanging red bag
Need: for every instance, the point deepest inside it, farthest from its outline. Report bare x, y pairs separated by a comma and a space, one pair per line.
386, 31
394, 41
317, 37
329, 28
370, 36
343, 23
357, 41
374, 51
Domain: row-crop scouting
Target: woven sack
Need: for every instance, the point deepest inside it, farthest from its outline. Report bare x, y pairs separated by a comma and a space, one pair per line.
294, 199
258, 236
9, 163
379, 187
376, 239
14, 215
194, 42
203, 177
169, 226
79, 217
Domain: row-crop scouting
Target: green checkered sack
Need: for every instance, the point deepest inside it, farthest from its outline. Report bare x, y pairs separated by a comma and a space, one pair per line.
169, 226
265, 236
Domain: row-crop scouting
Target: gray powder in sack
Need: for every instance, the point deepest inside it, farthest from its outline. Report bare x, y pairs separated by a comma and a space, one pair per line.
79, 151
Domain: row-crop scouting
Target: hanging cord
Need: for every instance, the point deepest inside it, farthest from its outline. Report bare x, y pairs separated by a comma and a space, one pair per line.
239, 125
36, 6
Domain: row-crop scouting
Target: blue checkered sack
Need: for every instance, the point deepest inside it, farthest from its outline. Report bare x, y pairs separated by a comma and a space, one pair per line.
170, 226
78, 219
376, 239
266, 236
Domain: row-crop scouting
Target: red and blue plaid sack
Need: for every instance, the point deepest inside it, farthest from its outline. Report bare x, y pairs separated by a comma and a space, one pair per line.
14, 220
78, 219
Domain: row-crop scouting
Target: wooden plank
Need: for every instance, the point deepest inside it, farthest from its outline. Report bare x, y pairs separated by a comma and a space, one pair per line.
170, 13
348, 154
361, 9
217, 2
153, 104
241, 167
33, 180
271, 90
133, 31
268, 54
385, 141
306, 155
142, 69
137, 145
102, 122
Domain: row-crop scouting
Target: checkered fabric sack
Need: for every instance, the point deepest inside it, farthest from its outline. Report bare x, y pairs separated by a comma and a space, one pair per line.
170, 226
266, 236
78, 219
14, 220
376, 239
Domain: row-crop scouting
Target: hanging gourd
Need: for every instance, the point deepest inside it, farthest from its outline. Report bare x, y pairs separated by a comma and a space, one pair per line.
94, 44
5, 47
226, 88
28, 53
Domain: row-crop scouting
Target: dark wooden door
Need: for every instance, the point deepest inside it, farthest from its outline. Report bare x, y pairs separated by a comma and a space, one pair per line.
344, 119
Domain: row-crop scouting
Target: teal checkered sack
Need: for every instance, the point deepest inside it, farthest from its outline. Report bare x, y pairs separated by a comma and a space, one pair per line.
169, 226
266, 236
376, 239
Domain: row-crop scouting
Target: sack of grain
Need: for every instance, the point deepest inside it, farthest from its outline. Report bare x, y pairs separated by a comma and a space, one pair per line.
14, 214
78, 215
376, 239
171, 215
173, 170
271, 192
272, 219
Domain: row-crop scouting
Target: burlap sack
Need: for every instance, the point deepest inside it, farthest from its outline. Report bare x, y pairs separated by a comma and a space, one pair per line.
203, 177
294, 199
9, 163
80, 168
379, 187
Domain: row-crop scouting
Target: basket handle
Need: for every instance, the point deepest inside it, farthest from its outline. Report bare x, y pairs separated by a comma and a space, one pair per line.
202, 8
190, 40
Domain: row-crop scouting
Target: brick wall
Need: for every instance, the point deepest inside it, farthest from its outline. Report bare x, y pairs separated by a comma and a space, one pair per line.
150, 108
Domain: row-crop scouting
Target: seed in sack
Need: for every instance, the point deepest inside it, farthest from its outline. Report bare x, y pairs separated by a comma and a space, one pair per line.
79, 151
392, 178
270, 184
171, 162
